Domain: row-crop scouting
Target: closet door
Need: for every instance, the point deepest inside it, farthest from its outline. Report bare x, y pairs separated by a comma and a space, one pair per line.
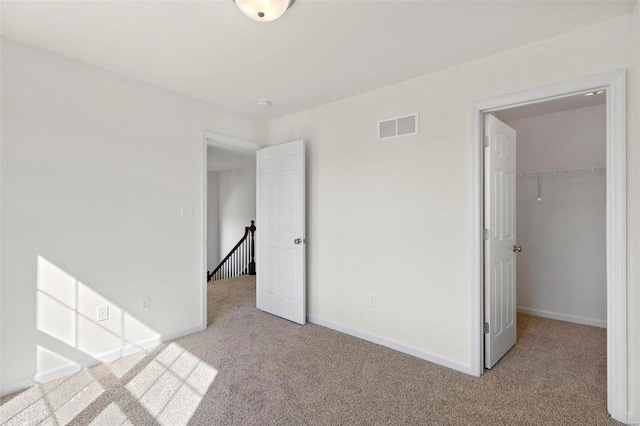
500, 240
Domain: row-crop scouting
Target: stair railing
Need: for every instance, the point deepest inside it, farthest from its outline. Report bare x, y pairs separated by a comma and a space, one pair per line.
240, 260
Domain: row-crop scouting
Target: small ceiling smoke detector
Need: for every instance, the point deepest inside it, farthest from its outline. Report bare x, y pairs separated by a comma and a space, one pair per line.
594, 93
263, 103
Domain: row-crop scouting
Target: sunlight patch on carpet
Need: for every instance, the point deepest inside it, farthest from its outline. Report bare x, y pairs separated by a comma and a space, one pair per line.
57, 405
171, 386
110, 416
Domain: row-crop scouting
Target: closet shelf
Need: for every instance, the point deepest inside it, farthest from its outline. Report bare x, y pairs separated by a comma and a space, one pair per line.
586, 171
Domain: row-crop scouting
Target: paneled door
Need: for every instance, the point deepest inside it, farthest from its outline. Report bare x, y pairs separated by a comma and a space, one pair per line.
500, 239
280, 259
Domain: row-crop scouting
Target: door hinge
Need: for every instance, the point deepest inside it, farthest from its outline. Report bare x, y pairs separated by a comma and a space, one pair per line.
485, 327
485, 142
485, 234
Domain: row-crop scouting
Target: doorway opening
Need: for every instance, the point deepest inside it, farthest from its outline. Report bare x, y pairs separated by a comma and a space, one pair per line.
278, 203
560, 215
545, 257
229, 212
613, 86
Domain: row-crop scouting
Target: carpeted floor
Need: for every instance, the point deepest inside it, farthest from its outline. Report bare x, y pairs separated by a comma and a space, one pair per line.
251, 368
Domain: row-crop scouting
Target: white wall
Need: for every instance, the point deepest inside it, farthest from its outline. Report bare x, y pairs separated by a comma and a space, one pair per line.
213, 221
394, 217
95, 167
237, 205
562, 140
562, 269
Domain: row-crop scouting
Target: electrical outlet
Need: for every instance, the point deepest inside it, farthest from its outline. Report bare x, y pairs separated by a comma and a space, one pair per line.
103, 313
372, 299
145, 304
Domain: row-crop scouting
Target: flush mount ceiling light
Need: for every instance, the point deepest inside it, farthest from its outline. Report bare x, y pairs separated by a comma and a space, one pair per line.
264, 10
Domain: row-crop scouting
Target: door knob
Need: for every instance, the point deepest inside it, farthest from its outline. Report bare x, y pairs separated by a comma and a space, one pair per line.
297, 241
517, 249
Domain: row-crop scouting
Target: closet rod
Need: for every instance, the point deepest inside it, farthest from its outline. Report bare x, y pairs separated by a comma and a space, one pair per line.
586, 171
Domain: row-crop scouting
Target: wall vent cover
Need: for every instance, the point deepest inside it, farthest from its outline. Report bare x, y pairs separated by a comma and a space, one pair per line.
405, 125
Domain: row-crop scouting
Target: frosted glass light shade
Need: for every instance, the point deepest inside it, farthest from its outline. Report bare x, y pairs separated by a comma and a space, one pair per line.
263, 10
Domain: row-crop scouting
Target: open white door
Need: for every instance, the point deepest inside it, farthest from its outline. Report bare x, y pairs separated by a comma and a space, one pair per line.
280, 260
500, 239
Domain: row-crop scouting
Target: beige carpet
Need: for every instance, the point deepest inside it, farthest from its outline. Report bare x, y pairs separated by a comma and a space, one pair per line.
251, 368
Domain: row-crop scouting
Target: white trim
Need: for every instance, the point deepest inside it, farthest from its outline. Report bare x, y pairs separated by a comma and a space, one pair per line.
74, 367
203, 233
16, 386
224, 142
617, 387
563, 317
615, 85
477, 245
258, 233
392, 344
258, 254
172, 336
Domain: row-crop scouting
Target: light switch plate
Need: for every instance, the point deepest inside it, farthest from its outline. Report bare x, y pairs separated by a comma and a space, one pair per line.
145, 303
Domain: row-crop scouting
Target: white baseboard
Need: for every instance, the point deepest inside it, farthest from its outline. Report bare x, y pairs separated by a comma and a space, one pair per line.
562, 317
400, 347
72, 368
15, 386
174, 336
632, 419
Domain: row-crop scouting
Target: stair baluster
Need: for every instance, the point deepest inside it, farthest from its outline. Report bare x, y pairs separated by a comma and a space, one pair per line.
240, 260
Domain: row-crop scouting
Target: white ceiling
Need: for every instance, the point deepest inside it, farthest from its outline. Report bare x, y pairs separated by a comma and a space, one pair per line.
318, 52
220, 160
548, 107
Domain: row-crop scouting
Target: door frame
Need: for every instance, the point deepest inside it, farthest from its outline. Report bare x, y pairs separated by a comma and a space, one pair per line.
616, 228
215, 140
